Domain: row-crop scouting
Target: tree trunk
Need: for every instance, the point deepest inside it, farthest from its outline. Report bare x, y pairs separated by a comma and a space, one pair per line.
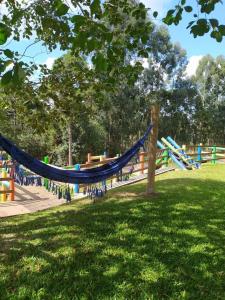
70, 142
152, 149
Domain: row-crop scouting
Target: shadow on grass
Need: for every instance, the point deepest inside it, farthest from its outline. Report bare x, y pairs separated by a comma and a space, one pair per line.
127, 247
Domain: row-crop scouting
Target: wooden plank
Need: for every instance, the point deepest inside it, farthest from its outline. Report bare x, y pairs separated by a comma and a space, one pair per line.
138, 178
6, 192
6, 179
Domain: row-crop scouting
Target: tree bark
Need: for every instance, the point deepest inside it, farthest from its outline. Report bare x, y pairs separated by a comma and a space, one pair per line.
70, 142
152, 149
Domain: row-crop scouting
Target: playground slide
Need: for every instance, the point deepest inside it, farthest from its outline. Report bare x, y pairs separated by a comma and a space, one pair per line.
175, 159
181, 151
178, 155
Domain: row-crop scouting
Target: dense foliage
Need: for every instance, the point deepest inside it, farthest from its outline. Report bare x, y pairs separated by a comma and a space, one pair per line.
192, 109
105, 30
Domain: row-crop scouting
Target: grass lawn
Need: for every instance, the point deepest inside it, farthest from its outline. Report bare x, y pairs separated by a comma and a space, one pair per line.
124, 247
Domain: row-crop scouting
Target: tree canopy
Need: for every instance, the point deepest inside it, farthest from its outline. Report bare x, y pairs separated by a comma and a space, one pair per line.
104, 30
117, 63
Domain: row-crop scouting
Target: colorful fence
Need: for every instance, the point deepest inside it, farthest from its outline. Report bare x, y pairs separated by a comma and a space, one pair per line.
204, 153
137, 167
7, 186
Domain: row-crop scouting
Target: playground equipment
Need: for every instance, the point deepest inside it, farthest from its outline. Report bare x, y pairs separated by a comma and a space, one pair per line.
184, 160
174, 158
99, 173
183, 153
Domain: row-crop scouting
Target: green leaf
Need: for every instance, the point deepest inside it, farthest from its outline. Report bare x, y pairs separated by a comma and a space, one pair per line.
78, 20
110, 55
8, 63
3, 37
95, 7
214, 22
221, 29
143, 53
217, 35
169, 19
100, 62
178, 16
80, 41
202, 22
195, 30
190, 24
8, 53
6, 78
19, 73
2, 67
183, 2
207, 6
188, 9
4, 33
60, 8
40, 10
155, 14
91, 45
144, 39
170, 12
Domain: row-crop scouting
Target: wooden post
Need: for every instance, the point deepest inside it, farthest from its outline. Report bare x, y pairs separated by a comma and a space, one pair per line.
4, 188
142, 162
152, 149
12, 188
89, 157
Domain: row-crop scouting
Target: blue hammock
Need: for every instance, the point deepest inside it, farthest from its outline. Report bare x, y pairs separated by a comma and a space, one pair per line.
89, 176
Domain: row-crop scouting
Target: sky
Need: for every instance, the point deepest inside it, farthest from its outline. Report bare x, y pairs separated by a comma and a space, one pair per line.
195, 48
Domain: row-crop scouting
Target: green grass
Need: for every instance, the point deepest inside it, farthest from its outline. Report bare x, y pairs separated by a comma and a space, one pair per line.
125, 247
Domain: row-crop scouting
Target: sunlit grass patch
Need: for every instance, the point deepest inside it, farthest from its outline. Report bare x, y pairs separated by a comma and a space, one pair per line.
127, 246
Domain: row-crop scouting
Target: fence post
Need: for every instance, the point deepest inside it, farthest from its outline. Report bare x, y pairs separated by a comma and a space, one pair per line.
199, 158
142, 162
46, 181
3, 188
214, 155
12, 188
76, 185
89, 157
166, 159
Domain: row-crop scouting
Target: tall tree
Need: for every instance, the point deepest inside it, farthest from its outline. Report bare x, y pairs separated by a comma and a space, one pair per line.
68, 92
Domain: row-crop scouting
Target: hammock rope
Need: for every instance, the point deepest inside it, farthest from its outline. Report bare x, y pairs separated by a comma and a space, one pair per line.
88, 176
